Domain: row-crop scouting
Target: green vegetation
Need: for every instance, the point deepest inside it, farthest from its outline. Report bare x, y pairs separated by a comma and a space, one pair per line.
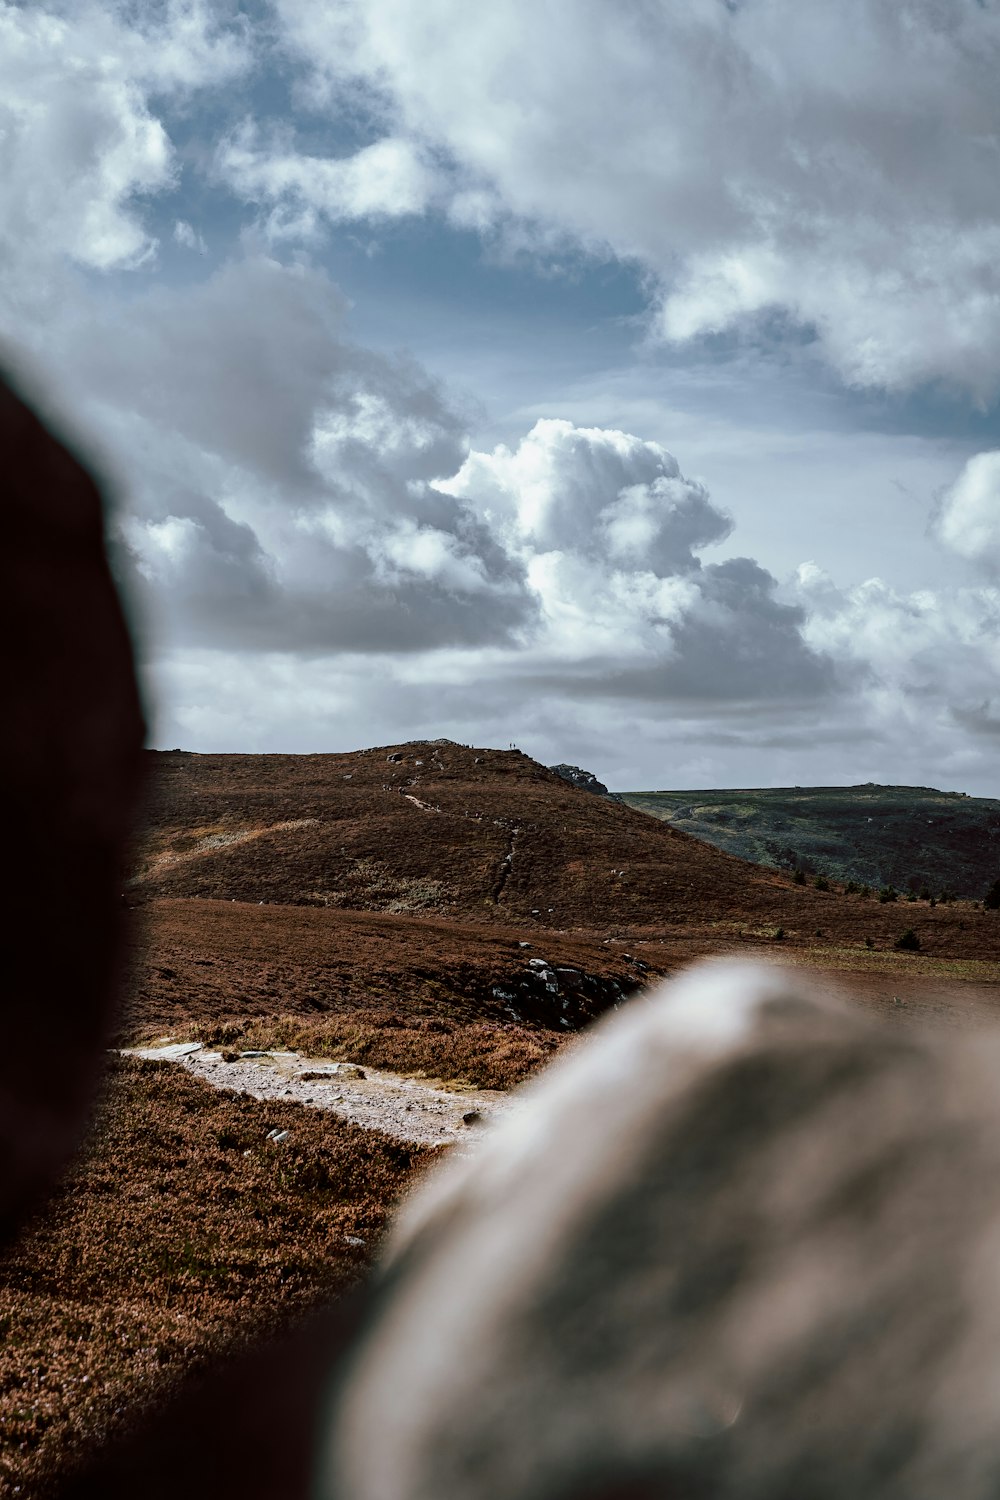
909, 839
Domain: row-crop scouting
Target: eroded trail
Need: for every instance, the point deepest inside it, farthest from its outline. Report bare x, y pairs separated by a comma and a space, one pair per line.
410, 1109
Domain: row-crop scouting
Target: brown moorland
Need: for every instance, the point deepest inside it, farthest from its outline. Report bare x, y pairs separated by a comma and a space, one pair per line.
181, 1233
401, 907
395, 906
487, 836
447, 999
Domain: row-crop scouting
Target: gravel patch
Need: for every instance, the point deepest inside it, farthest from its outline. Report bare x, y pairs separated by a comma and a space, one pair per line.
408, 1109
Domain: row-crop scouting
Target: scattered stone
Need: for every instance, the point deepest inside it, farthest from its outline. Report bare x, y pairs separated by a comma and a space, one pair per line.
278, 1135
394, 759
472, 1117
255, 1054
525, 945
348, 1070
353, 1239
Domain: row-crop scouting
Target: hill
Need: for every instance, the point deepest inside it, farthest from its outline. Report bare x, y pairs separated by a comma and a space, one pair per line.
912, 838
435, 828
490, 837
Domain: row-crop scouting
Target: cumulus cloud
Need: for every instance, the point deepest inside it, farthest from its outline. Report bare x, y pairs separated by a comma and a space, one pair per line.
79, 141
968, 517
834, 163
322, 553
67, 105
292, 492
610, 530
383, 180
927, 660
281, 479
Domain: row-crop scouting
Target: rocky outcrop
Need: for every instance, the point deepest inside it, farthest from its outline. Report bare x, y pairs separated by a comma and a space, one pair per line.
585, 780
558, 995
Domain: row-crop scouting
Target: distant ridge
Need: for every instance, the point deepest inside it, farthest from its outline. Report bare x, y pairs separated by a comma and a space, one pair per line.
911, 838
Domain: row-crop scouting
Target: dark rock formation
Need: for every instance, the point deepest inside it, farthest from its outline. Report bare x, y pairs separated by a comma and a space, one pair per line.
585, 780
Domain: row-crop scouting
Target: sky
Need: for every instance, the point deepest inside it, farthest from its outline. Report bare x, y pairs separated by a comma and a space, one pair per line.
620, 381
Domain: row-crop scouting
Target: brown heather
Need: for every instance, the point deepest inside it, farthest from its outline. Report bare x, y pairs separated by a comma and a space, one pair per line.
180, 1233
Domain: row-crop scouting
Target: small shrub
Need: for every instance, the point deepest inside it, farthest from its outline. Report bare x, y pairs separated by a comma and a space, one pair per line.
912, 896
850, 889
887, 893
908, 942
821, 883
779, 934
865, 892
925, 894
991, 901
799, 877
819, 932
869, 942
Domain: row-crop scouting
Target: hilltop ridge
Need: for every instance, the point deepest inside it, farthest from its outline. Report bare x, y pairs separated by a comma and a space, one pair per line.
471, 834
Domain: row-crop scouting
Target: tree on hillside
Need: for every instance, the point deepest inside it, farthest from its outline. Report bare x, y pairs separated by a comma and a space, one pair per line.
992, 898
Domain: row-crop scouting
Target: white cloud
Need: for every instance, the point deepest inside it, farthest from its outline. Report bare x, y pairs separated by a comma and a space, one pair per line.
834, 163
315, 541
969, 515
385, 179
185, 234
82, 141
609, 530
77, 143
914, 664
600, 490
280, 478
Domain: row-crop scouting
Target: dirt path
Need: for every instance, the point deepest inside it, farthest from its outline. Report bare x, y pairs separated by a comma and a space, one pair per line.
407, 1108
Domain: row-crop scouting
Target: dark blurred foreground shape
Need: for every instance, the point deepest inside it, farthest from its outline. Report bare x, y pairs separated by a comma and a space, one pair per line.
740, 1244
69, 767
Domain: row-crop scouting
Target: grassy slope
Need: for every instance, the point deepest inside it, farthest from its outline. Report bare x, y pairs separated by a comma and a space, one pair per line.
877, 835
